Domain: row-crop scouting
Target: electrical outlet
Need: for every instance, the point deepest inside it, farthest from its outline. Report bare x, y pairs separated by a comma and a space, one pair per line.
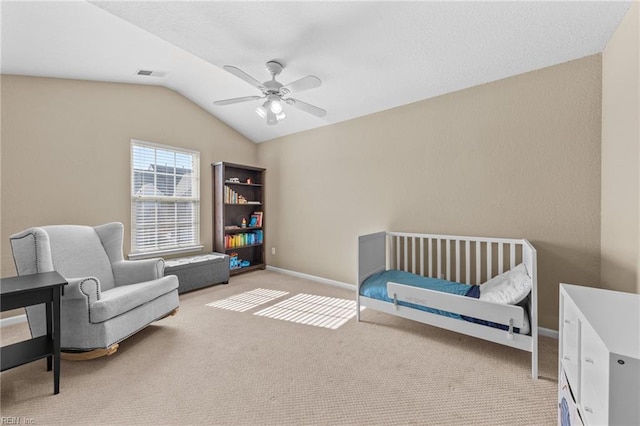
273, 250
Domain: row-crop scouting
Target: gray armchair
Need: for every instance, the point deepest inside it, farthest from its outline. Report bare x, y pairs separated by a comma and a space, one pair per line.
108, 298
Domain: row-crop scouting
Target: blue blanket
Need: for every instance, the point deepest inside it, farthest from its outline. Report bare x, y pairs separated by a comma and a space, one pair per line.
375, 287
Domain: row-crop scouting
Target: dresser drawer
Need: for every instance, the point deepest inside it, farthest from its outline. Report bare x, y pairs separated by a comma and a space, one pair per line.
594, 373
570, 343
567, 407
595, 414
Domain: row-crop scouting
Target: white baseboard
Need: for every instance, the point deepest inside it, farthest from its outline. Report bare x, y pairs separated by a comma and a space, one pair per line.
313, 278
17, 319
547, 332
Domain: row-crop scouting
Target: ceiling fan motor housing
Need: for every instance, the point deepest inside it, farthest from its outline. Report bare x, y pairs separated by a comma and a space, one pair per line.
272, 87
274, 67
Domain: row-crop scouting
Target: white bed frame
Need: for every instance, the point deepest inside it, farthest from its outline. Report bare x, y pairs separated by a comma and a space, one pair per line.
470, 260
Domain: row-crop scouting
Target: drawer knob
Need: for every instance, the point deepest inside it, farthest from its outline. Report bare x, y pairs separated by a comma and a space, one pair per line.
588, 409
567, 321
566, 358
589, 360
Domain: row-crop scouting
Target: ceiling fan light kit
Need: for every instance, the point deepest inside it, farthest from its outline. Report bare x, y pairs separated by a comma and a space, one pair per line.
275, 105
275, 93
262, 109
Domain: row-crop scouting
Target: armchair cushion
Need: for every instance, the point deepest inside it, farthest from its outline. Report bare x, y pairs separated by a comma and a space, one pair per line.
121, 299
76, 251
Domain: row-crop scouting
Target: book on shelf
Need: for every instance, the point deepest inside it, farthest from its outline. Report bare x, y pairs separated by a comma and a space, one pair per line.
258, 218
232, 197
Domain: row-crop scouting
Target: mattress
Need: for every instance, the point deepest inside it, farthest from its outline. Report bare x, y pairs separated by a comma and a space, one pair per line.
375, 287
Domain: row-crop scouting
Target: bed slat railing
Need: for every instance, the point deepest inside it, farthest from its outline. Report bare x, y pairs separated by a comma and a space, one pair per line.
458, 260
501, 314
430, 256
488, 256
406, 254
467, 265
469, 260
439, 255
422, 256
413, 254
478, 257
448, 259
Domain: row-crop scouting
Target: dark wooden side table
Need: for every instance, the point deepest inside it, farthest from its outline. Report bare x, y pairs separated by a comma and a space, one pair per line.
27, 290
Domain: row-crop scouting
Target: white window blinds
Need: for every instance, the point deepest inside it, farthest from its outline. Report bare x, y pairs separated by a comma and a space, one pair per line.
165, 199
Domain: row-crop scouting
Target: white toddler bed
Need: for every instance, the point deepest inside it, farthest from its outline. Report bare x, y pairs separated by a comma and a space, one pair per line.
465, 260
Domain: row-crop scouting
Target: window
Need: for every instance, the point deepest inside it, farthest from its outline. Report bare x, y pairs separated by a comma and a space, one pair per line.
165, 200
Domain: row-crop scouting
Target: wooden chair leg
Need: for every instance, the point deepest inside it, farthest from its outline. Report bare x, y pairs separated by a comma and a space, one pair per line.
170, 314
85, 356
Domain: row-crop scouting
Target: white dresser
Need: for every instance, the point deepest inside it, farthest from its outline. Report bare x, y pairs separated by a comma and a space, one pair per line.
599, 357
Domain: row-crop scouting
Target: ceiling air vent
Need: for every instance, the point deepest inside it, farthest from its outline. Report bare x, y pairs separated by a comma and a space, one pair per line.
151, 73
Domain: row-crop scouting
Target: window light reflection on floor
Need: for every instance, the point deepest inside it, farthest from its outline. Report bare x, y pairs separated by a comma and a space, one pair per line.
244, 301
318, 311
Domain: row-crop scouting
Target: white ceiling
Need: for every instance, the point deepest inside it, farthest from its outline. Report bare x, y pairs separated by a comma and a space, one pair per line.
370, 56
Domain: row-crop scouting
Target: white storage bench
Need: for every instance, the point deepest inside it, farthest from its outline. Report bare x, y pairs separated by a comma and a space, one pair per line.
198, 271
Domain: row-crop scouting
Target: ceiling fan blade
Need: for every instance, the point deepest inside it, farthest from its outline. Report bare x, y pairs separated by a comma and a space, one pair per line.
244, 76
236, 100
305, 83
311, 109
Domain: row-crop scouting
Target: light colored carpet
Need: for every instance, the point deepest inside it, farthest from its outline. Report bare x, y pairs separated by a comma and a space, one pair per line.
217, 366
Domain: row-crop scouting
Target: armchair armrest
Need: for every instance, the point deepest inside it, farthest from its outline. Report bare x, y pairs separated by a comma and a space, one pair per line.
87, 288
137, 271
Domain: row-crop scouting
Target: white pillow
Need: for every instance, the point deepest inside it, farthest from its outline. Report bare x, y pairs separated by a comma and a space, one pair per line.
510, 287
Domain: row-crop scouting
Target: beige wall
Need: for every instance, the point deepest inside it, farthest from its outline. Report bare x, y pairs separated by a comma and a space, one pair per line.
515, 158
520, 157
621, 156
65, 150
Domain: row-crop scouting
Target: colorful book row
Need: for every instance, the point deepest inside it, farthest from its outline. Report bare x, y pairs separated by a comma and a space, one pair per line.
244, 239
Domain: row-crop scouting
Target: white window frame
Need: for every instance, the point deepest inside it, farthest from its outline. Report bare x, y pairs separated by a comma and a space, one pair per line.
194, 245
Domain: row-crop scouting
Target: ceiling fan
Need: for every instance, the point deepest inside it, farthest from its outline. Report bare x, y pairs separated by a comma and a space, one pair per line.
275, 93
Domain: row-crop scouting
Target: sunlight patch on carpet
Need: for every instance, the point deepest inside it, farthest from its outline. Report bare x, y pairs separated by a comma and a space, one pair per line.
308, 309
244, 301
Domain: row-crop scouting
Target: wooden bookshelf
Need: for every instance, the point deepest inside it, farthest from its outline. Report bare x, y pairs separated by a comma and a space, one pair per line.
238, 192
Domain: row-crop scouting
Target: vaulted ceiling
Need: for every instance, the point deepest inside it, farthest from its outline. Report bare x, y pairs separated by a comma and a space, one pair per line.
370, 56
